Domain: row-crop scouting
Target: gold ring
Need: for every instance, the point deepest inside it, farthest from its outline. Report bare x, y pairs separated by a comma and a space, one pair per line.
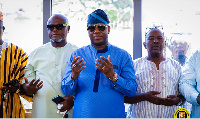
103, 67
74, 65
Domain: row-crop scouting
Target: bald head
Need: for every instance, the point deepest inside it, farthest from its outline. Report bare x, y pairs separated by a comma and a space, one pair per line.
61, 17
58, 28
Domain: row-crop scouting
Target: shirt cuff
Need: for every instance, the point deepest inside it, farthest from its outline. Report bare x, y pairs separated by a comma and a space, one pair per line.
72, 82
119, 81
194, 98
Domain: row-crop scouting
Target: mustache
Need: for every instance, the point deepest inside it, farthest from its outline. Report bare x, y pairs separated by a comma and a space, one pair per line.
155, 46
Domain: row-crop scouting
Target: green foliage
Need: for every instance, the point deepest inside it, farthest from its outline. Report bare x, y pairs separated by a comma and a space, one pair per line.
118, 11
112, 15
126, 16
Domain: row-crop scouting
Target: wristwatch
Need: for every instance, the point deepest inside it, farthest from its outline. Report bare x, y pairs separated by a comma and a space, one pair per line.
18, 90
198, 95
180, 102
115, 77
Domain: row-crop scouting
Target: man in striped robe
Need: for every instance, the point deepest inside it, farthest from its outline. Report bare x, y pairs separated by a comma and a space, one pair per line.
157, 77
12, 65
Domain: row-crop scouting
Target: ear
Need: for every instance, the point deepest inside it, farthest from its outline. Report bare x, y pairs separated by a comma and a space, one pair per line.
68, 28
145, 45
187, 47
108, 29
165, 44
168, 45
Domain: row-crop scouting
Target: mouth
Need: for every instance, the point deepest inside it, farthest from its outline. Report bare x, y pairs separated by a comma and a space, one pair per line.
155, 47
55, 34
97, 37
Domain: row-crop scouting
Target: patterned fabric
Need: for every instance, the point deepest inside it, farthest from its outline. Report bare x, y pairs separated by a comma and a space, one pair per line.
48, 63
148, 79
0, 49
108, 102
189, 84
98, 17
13, 62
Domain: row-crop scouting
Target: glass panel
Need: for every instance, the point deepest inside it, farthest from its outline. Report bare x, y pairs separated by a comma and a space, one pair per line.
178, 18
120, 13
23, 21
180, 21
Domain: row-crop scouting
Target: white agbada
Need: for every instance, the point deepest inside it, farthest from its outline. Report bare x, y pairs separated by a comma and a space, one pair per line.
48, 63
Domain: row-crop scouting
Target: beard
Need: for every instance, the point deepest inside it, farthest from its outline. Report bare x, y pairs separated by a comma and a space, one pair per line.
56, 41
99, 44
155, 55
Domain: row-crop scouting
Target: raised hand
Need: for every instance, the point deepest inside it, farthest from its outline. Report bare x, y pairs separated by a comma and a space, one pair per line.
105, 66
77, 67
30, 88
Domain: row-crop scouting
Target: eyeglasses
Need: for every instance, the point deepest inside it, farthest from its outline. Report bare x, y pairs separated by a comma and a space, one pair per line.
92, 28
58, 26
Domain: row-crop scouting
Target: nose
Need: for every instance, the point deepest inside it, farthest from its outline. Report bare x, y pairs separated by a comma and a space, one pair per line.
96, 29
54, 29
155, 40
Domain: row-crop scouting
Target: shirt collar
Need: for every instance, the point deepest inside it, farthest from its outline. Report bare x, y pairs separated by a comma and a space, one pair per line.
66, 45
95, 50
165, 61
4, 45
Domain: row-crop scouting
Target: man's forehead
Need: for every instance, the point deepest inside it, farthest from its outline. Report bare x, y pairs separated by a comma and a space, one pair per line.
155, 31
155, 34
56, 20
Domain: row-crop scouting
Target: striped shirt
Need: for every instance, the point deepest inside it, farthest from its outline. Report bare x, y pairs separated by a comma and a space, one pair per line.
13, 62
148, 79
